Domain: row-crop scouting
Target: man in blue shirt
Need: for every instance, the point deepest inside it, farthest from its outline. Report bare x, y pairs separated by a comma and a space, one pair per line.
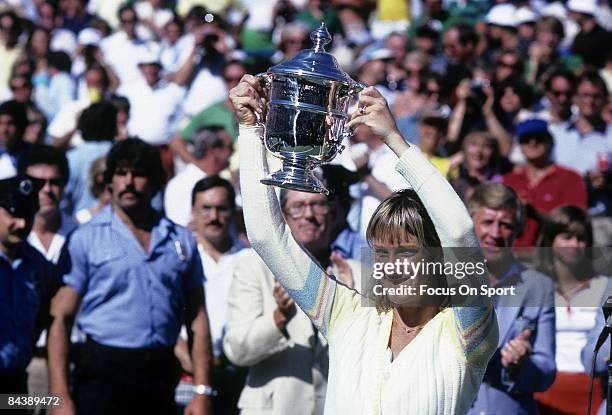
136, 277
26, 281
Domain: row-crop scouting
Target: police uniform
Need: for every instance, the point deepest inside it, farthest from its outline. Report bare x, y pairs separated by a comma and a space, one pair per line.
27, 282
132, 308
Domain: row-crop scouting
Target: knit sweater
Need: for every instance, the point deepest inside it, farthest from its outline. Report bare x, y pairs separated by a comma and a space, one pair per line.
440, 370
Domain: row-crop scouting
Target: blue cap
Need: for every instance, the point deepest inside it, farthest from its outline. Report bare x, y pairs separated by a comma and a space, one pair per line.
533, 126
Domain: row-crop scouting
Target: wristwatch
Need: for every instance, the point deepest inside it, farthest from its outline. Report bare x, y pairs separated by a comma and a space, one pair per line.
204, 390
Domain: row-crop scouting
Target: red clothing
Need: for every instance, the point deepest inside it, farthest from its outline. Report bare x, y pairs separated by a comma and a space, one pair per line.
558, 187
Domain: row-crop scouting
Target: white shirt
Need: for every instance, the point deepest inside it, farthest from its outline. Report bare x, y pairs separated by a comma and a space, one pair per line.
53, 253
177, 197
206, 89
66, 120
575, 318
574, 151
154, 111
121, 54
217, 289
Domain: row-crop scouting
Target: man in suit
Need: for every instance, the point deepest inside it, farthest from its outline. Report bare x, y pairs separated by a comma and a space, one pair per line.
524, 362
264, 330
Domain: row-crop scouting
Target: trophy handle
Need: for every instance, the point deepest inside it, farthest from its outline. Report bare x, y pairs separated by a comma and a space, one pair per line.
266, 83
354, 91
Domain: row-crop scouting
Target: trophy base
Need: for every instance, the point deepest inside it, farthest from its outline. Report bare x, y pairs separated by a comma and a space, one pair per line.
296, 175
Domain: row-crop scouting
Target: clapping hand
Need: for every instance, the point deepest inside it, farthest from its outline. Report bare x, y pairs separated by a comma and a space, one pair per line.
516, 350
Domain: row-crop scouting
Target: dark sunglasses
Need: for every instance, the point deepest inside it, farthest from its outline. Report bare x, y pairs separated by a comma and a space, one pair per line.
538, 138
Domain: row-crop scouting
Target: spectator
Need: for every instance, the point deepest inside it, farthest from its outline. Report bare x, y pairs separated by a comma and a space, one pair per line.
10, 47
13, 122
541, 184
121, 50
212, 148
64, 127
60, 90
524, 361
565, 255
127, 328
459, 52
545, 53
481, 162
219, 114
213, 212
559, 89
502, 29
98, 189
592, 42
98, 128
432, 131
51, 226
265, 330
75, 16
508, 65
24, 273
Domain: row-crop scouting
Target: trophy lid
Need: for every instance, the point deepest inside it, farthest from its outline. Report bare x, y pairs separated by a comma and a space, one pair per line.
314, 62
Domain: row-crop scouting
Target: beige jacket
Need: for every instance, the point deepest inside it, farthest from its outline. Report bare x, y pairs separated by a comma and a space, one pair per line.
287, 375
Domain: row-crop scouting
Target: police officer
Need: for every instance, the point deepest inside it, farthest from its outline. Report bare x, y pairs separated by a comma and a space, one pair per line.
137, 277
26, 281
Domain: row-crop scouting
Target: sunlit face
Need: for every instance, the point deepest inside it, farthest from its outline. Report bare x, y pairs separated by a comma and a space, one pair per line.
536, 148
309, 216
560, 94
478, 153
589, 99
131, 188
13, 229
51, 193
430, 138
212, 212
402, 275
495, 229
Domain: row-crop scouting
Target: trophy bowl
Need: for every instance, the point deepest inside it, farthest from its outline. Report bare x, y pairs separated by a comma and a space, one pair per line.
307, 107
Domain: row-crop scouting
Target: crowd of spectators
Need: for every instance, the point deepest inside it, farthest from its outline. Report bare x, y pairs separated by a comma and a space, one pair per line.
492, 91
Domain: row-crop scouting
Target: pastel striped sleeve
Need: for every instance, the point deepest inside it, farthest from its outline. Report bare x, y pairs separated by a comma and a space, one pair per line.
476, 326
303, 278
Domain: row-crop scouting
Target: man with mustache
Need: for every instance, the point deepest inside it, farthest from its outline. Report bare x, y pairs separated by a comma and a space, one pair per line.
286, 355
213, 210
137, 277
524, 361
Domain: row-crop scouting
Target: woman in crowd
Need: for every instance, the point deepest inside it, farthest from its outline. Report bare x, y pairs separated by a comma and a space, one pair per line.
421, 359
579, 293
481, 161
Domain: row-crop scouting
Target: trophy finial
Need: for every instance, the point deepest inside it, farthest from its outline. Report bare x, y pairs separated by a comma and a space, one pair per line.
320, 38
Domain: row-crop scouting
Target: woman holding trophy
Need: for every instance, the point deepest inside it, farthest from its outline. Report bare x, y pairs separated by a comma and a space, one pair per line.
393, 360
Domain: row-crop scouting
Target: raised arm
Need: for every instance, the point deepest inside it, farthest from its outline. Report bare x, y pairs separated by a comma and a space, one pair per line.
302, 277
476, 324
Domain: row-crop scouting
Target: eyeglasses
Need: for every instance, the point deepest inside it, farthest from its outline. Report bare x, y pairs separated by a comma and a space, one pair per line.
297, 210
595, 96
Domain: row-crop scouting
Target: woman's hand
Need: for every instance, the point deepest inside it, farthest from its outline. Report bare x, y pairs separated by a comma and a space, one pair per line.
374, 112
247, 100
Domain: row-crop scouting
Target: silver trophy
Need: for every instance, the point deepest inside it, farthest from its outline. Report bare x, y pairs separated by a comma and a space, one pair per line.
308, 102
